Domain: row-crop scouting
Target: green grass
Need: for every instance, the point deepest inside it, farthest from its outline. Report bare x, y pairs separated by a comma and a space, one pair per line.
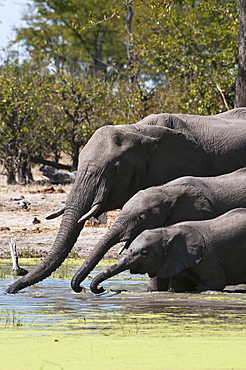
11, 319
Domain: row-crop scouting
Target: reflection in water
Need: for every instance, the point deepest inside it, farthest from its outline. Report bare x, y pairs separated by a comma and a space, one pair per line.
52, 303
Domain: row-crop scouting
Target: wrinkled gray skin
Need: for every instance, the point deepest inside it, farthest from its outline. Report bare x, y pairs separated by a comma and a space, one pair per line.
208, 254
183, 199
120, 160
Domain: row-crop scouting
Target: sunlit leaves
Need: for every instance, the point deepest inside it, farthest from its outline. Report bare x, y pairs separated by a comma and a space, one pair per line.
194, 43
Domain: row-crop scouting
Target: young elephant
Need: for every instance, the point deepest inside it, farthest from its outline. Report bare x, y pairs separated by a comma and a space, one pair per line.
210, 253
185, 199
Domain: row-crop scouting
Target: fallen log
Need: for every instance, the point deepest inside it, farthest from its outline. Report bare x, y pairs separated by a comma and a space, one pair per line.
41, 160
58, 177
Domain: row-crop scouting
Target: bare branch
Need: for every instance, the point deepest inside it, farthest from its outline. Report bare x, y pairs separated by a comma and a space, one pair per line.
223, 96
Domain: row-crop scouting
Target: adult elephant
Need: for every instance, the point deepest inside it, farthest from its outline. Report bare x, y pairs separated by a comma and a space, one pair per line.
120, 160
183, 199
193, 254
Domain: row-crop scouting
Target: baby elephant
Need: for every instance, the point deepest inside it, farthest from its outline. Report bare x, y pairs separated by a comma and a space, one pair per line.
192, 254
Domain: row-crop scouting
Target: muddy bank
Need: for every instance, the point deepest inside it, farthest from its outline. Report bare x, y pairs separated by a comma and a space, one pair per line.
22, 216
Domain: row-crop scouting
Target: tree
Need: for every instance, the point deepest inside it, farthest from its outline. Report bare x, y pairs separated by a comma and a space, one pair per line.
187, 49
193, 46
240, 99
85, 105
16, 114
66, 32
23, 96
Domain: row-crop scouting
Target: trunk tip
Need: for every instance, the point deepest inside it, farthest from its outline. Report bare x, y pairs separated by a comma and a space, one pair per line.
76, 287
12, 289
94, 288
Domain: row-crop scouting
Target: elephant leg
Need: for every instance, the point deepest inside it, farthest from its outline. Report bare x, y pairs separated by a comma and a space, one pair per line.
156, 284
181, 283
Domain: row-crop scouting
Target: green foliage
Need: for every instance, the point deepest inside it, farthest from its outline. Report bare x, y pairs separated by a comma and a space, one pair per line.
19, 110
186, 49
193, 44
29, 124
67, 32
85, 105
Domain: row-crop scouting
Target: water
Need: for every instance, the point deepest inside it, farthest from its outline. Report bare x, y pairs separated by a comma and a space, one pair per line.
53, 304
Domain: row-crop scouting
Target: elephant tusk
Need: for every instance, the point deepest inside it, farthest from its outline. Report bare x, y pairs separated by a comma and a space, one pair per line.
124, 246
56, 214
91, 213
121, 249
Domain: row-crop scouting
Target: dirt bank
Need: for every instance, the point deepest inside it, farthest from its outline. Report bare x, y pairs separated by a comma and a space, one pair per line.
22, 216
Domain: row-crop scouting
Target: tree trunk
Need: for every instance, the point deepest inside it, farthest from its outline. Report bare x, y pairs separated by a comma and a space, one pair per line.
240, 98
11, 178
24, 171
10, 170
75, 156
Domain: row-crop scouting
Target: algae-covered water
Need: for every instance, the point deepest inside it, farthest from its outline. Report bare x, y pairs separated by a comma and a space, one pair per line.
48, 326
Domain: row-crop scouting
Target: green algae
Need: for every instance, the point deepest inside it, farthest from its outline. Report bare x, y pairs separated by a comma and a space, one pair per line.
163, 338
86, 350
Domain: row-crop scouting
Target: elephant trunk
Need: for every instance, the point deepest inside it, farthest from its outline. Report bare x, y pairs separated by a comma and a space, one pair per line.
110, 272
55, 257
78, 203
111, 238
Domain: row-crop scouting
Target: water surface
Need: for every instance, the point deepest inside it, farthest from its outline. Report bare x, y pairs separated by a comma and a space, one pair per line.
53, 304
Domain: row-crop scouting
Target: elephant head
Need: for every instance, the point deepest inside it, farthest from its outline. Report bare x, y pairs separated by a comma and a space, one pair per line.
163, 252
111, 169
148, 209
117, 162
143, 210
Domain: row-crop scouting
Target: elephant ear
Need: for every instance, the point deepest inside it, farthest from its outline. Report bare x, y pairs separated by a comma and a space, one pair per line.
184, 249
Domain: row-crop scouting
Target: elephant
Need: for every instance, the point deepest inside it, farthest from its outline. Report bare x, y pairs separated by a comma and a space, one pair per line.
184, 199
118, 161
194, 255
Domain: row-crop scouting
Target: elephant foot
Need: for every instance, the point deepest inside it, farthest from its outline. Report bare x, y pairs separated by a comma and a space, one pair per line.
201, 288
157, 285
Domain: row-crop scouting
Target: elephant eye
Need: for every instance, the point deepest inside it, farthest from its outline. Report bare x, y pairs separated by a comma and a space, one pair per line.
142, 216
144, 253
117, 166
